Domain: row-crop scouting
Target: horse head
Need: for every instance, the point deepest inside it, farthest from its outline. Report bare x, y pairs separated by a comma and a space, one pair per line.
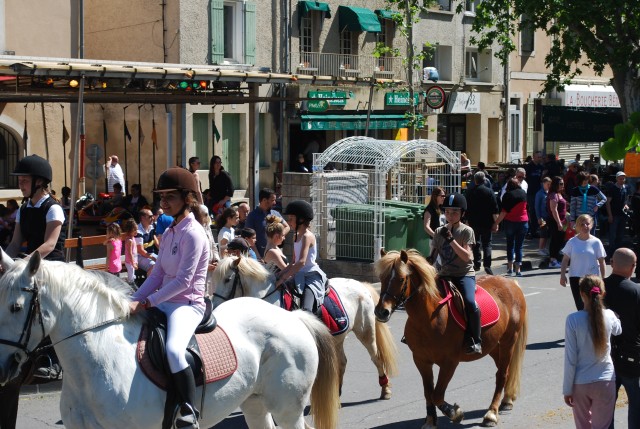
19, 294
241, 276
402, 275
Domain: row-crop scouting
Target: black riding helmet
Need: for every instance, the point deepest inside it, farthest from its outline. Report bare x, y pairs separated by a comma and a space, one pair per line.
301, 209
455, 201
36, 167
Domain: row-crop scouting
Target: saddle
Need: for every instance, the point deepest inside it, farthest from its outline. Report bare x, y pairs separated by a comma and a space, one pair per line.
331, 312
209, 353
489, 311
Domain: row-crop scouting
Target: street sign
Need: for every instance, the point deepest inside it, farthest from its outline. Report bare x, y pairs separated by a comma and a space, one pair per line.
435, 97
336, 98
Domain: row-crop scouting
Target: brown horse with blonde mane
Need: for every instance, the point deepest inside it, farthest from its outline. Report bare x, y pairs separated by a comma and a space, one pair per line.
434, 338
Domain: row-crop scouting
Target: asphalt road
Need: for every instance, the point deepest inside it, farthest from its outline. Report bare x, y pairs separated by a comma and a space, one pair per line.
539, 406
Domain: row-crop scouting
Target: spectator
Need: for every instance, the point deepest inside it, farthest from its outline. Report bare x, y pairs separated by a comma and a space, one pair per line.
301, 165
114, 173
570, 178
194, 166
589, 386
557, 208
585, 199
552, 166
433, 216
65, 201
162, 222
465, 165
226, 223
249, 236
115, 200
618, 194
488, 181
542, 215
275, 237
214, 255
238, 247
481, 214
635, 221
243, 211
623, 297
220, 187
514, 213
257, 219
520, 176
129, 232
586, 254
135, 201
146, 242
8, 222
114, 249
533, 171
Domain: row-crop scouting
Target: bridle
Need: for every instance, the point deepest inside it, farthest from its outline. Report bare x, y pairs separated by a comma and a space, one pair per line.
35, 310
401, 298
237, 282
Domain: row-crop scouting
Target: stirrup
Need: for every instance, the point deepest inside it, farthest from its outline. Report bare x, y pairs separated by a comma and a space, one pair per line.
473, 348
186, 417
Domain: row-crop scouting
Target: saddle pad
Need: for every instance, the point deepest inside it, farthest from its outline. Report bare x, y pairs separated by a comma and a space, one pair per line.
333, 313
489, 311
218, 355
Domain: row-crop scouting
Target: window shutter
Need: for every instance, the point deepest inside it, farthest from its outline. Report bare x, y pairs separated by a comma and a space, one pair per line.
216, 18
250, 33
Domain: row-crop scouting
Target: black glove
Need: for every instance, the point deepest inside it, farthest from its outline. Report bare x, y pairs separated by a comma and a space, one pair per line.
446, 234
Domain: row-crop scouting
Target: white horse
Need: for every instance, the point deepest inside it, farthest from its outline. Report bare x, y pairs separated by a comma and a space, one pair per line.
284, 359
246, 277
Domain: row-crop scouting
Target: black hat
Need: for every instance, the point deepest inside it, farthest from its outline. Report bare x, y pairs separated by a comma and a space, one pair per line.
176, 179
238, 243
455, 201
34, 165
300, 209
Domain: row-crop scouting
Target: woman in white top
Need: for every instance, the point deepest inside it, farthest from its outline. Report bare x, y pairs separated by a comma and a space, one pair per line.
586, 254
589, 386
310, 280
227, 220
275, 237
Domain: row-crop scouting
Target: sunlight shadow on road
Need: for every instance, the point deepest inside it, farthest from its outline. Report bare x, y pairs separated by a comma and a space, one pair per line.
557, 344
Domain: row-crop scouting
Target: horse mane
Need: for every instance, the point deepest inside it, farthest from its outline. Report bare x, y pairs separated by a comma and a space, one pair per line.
416, 264
248, 268
94, 294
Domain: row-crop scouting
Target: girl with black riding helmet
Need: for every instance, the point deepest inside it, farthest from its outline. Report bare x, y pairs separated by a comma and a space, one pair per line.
176, 286
39, 221
309, 279
453, 243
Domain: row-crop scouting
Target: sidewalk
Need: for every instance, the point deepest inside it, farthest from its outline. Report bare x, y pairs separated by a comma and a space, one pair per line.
530, 258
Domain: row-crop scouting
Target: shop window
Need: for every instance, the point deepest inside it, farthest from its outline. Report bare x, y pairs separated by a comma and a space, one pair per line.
9, 149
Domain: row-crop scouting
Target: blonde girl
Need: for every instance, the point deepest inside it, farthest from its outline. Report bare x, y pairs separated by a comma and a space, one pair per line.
114, 249
589, 385
129, 232
275, 237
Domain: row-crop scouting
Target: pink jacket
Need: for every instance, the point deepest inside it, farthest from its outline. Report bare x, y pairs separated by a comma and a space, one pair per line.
180, 272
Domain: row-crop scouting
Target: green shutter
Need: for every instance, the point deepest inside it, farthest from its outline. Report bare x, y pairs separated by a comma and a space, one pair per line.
216, 21
250, 33
201, 135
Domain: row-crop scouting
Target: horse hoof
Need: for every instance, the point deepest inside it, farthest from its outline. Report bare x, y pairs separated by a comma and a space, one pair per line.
386, 393
506, 406
490, 419
458, 414
487, 423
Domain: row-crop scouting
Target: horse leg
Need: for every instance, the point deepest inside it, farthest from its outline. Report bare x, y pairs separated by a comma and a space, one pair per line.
342, 362
426, 371
454, 412
256, 414
502, 358
366, 334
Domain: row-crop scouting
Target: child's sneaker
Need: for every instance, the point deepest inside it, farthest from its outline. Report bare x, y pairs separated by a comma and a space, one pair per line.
554, 264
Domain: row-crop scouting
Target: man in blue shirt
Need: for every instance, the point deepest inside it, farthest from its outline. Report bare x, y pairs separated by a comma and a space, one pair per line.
256, 220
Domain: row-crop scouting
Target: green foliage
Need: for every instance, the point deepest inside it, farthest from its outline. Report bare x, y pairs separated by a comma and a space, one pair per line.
626, 137
382, 50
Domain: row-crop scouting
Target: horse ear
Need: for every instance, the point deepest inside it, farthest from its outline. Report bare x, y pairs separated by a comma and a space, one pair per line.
5, 261
383, 252
237, 261
404, 256
34, 263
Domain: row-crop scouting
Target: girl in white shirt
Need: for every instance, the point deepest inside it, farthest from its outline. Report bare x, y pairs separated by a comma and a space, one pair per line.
228, 219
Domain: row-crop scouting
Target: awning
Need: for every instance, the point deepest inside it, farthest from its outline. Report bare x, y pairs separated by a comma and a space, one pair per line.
358, 19
352, 122
304, 7
385, 14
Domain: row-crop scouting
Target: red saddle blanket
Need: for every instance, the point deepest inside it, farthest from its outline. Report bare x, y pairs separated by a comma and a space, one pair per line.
489, 311
218, 358
332, 312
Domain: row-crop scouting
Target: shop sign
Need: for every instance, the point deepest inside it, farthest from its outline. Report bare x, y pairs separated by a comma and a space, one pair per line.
317, 106
335, 98
464, 102
400, 99
435, 97
374, 124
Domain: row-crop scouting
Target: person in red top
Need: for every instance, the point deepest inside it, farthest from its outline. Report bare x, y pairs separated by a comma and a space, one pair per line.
516, 224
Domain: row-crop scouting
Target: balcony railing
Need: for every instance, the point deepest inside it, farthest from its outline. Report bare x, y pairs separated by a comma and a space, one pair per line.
360, 66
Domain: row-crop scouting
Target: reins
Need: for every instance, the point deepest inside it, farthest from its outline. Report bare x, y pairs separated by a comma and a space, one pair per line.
401, 298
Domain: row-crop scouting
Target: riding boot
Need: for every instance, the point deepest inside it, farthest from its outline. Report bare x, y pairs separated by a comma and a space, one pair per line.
474, 331
185, 385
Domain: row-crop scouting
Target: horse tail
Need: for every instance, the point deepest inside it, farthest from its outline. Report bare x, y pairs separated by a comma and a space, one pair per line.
325, 397
387, 352
512, 385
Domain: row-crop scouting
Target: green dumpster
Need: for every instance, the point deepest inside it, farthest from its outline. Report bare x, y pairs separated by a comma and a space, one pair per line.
355, 230
417, 237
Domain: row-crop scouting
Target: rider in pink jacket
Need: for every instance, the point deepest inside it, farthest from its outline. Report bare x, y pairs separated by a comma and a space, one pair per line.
176, 285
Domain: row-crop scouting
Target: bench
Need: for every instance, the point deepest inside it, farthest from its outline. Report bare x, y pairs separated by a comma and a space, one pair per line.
79, 243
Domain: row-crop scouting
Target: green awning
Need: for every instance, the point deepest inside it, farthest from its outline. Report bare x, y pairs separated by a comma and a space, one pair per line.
352, 122
358, 19
385, 14
304, 7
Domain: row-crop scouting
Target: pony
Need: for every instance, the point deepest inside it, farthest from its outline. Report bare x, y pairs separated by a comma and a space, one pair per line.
434, 338
237, 277
284, 359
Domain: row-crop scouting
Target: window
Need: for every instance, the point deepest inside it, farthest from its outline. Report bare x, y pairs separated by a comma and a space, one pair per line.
306, 34
233, 32
444, 5
478, 65
8, 159
386, 38
470, 7
347, 55
527, 36
439, 56
471, 65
